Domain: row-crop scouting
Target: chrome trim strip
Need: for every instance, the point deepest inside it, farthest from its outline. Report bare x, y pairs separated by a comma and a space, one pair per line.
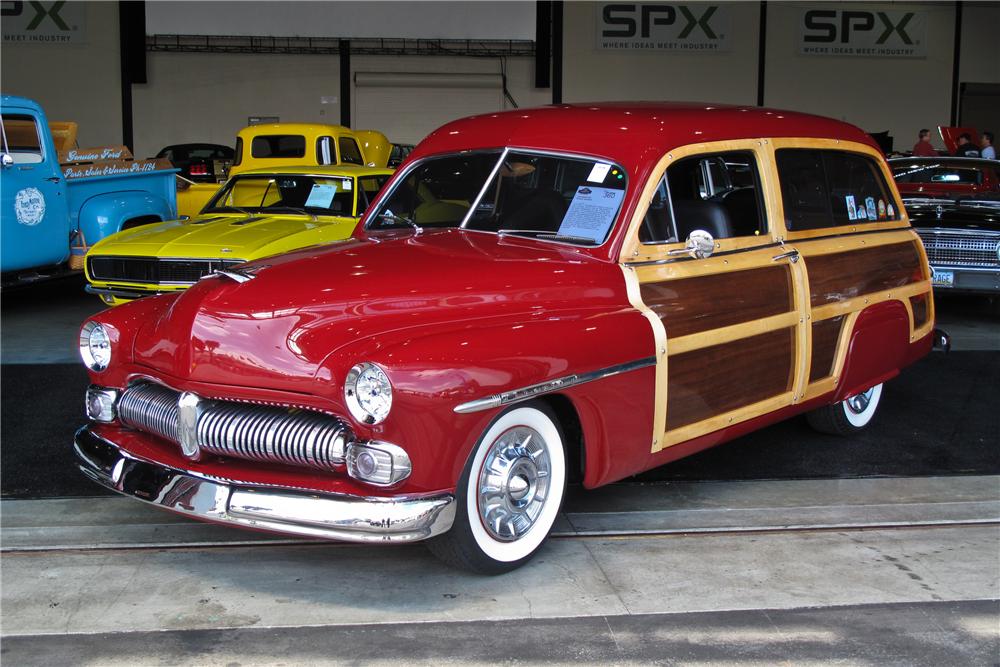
276, 509
486, 186
524, 393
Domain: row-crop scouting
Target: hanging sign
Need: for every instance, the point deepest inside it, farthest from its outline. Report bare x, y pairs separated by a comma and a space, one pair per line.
860, 32
43, 22
695, 27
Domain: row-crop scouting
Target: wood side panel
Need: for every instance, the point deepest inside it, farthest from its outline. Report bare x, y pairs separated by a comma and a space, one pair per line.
825, 335
702, 303
843, 275
716, 379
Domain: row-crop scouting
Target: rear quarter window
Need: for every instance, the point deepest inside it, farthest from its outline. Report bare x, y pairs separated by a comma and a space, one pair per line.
827, 188
278, 146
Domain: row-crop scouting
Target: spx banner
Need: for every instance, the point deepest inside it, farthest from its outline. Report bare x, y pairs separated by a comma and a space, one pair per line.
691, 27
43, 22
858, 32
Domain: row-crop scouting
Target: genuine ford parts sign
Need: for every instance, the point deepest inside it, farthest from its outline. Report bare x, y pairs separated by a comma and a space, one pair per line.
692, 27
860, 32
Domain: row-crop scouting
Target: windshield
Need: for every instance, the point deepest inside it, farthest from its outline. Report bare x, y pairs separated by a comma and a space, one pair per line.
271, 193
568, 199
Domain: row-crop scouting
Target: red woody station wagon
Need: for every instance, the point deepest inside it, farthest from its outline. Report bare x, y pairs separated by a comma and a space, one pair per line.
537, 296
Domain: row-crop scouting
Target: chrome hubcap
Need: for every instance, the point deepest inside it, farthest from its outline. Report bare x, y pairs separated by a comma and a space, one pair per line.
859, 402
514, 483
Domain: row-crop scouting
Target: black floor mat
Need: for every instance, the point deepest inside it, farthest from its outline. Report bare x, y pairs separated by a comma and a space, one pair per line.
941, 417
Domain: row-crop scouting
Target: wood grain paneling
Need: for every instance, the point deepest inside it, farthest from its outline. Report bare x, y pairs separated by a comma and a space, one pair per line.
919, 305
825, 335
717, 379
843, 275
702, 303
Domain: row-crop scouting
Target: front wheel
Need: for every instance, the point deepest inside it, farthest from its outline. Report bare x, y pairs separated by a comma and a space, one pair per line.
509, 493
849, 415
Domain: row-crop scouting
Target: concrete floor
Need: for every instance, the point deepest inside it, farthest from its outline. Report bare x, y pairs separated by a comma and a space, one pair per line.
678, 573
855, 572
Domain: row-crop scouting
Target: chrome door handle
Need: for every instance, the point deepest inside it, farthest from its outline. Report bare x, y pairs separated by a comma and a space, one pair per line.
792, 256
53, 179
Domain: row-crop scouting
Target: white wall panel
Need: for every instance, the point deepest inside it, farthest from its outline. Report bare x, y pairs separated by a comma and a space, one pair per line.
901, 95
593, 75
207, 97
79, 82
433, 20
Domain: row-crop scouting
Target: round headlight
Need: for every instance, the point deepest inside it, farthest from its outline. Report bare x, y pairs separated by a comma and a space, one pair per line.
95, 346
368, 393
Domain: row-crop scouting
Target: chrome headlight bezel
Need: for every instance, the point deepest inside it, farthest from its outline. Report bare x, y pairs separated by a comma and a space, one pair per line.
364, 409
95, 346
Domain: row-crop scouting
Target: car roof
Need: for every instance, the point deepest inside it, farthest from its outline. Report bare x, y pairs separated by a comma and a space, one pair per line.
349, 170
632, 134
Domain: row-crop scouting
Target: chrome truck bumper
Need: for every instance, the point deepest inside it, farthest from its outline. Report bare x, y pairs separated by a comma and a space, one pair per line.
318, 515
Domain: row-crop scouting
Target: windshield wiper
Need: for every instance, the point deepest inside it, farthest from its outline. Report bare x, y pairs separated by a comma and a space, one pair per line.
538, 233
389, 215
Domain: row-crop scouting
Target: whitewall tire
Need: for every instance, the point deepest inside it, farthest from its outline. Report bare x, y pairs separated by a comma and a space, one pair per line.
509, 494
848, 416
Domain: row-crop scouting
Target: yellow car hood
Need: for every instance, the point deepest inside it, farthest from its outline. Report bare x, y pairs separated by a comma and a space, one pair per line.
226, 235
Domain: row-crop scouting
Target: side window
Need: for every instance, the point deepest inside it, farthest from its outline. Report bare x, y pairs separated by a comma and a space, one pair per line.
20, 133
719, 193
349, 151
238, 157
324, 151
369, 188
821, 188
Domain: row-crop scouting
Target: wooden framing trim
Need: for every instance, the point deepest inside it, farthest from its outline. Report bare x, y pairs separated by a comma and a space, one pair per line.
635, 251
861, 302
832, 144
684, 433
660, 341
703, 339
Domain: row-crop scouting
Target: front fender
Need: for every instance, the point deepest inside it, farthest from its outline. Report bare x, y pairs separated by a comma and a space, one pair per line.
104, 214
433, 371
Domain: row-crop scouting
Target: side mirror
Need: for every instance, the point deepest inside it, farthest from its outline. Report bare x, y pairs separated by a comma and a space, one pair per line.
7, 160
700, 245
184, 217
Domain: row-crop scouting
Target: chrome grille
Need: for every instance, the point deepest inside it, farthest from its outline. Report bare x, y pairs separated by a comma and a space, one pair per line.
150, 408
241, 430
960, 249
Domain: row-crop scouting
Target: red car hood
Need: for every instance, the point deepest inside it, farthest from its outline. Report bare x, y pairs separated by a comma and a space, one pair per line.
279, 328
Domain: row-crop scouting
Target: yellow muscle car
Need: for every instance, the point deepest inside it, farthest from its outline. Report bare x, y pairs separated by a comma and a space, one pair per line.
255, 214
290, 144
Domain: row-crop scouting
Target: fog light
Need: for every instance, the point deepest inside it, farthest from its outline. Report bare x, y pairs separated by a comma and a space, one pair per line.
378, 463
101, 403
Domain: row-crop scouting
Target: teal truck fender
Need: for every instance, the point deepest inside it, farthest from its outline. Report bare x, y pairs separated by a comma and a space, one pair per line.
109, 213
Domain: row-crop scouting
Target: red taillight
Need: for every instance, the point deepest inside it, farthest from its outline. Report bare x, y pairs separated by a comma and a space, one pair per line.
199, 170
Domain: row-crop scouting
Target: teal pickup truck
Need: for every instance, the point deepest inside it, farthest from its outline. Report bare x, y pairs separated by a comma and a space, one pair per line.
52, 203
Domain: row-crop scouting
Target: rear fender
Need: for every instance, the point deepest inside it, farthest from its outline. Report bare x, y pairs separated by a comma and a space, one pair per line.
878, 347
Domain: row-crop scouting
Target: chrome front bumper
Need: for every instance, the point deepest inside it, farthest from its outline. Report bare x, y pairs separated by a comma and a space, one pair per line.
319, 515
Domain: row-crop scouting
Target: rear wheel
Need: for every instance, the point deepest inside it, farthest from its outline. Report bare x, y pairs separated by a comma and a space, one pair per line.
849, 416
509, 493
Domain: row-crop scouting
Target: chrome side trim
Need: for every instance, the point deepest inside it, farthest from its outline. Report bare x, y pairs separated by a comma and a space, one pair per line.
524, 393
280, 510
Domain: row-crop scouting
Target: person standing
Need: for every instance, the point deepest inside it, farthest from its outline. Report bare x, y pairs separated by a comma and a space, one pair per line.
988, 151
923, 146
965, 146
